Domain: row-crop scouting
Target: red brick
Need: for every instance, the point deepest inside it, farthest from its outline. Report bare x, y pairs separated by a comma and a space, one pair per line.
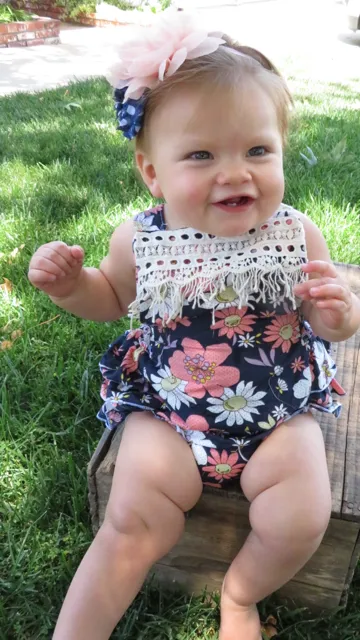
3, 28
35, 25
7, 37
52, 40
21, 43
36, 42
46, 33
52, 24
26, 35
17, 27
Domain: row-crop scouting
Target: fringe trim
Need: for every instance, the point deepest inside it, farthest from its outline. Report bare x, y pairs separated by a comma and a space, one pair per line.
267, 280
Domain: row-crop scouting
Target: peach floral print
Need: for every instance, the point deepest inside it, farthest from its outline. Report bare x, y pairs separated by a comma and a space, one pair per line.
192, 423
298, 364
131, 360
164, 323
200, 368
134, 334
223, 466
284, 331
232, 321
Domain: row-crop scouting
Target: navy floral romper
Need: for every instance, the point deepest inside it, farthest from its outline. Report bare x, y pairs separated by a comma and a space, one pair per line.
222, 353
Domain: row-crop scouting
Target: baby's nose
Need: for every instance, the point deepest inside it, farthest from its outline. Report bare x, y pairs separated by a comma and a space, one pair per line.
234, 173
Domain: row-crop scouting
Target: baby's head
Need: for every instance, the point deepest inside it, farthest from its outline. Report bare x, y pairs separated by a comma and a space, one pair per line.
210, 134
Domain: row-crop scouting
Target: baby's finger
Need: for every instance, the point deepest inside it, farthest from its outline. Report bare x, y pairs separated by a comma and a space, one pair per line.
39, 277
42, 263
303, 289
325, 269
335, 291
62, 259
59, 251
77, 252
331, 304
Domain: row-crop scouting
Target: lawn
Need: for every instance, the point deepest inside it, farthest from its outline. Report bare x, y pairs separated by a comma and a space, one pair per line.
65, 173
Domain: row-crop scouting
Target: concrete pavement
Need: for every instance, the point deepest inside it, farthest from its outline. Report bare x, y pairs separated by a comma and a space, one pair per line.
300, 36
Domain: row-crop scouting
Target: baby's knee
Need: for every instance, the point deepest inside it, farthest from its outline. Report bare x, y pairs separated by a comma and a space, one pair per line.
292, 513
125, 532
143, 535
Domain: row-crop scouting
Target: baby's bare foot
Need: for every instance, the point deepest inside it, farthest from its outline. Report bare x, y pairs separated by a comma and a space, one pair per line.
237, 622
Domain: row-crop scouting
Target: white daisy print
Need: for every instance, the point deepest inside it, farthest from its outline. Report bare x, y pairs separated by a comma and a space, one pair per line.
236, 407
171, 388
114, 400
240, 444
198, 440
246, 341
280, 412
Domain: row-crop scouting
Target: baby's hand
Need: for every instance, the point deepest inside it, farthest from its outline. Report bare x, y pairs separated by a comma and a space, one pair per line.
328, 293
55, 268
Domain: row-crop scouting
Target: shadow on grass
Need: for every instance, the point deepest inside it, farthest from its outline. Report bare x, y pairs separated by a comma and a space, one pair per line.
56, 150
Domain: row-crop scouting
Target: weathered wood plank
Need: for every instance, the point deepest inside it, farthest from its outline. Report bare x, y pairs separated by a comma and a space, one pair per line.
294, 593
336, 432
351, 372
351, 570
214, 535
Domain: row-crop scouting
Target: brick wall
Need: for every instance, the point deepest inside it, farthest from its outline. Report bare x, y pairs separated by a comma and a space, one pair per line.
29, 33
47, 8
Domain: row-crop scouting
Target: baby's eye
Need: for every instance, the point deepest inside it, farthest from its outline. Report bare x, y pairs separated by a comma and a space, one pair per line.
257, 151
200, 155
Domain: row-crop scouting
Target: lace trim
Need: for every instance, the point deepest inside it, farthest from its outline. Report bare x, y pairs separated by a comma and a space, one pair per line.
188, 266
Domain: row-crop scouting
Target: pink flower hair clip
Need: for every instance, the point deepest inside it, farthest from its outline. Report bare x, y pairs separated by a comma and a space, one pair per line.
155, 54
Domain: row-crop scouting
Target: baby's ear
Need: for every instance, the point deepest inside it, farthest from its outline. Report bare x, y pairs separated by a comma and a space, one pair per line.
148, 173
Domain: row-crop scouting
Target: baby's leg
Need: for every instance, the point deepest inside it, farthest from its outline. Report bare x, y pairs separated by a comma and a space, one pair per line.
287, 483
155, 481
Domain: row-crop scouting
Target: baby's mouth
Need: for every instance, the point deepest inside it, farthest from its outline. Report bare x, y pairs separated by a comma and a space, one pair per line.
239, 201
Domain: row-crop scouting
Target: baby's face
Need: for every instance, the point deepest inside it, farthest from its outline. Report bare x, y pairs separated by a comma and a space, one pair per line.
217, 159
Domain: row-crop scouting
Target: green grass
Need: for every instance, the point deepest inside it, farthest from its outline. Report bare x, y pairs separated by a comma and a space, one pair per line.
66, 173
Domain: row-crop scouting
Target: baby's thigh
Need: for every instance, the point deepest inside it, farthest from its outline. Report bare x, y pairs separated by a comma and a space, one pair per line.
293, 453
155, 472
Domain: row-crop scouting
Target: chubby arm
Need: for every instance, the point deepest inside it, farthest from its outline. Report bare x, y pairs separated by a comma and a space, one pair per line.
332, 310
104, 294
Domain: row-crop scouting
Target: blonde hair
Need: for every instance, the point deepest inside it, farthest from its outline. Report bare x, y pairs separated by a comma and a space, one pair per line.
228, 66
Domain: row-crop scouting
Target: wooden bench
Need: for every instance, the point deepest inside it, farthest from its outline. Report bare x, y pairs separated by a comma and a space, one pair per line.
218, 525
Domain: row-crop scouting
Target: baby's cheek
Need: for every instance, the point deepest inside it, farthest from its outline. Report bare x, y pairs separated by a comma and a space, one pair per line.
193, 191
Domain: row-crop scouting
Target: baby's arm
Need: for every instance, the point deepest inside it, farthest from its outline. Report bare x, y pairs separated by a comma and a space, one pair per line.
102, 294
332, 310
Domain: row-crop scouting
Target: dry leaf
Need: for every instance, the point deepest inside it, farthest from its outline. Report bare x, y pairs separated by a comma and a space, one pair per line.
16, 334
269, 629
6, 286
5, 344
